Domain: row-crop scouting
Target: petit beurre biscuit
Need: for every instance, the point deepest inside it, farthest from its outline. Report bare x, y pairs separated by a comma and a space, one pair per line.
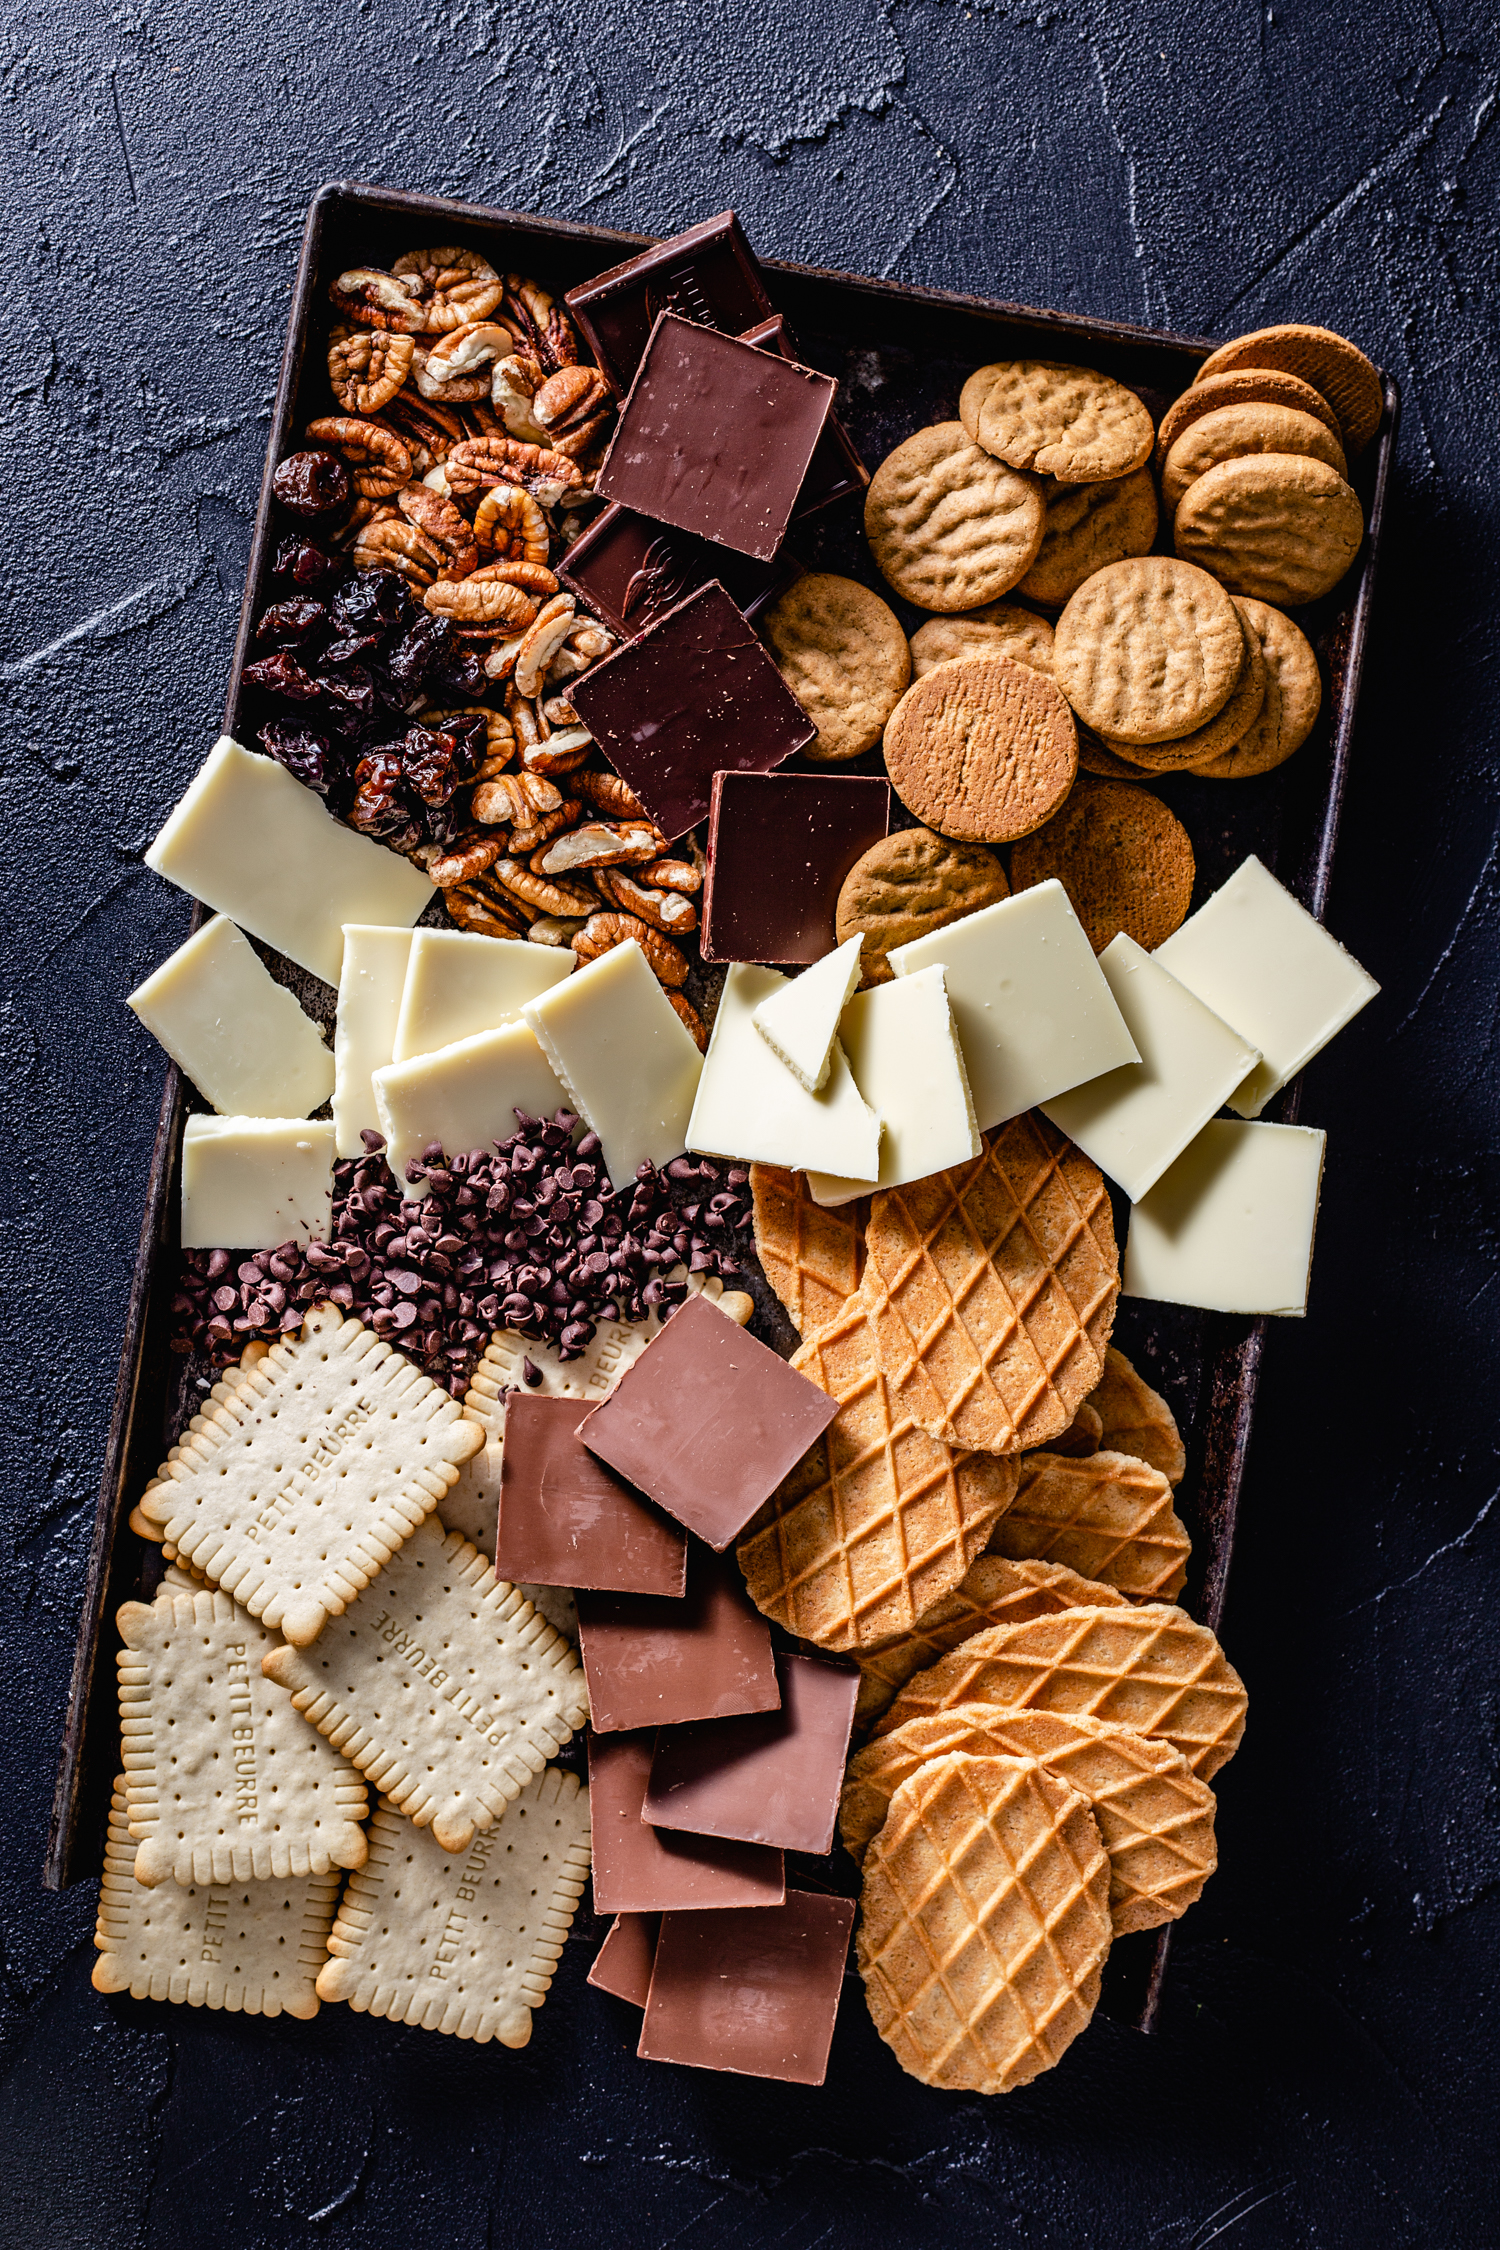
982, 748
1108, 1517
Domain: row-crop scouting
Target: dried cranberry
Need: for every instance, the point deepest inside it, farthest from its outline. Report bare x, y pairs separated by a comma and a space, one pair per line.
281, 674
439, 760
459, 671
312, 483
410, 658
303, 753
352, 687
303, 563
290, 621
381, 806
372, 600
349, 647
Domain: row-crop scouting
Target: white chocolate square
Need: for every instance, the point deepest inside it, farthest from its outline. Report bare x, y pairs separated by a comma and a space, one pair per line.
465, 1096
252, 843
801, 1022
1034, 1012
371, 982
238, 1034
629, 1063
1136, 1120
249, 1183
750, 1106
1230, 1225
903, 1051
1255, 956
459, 984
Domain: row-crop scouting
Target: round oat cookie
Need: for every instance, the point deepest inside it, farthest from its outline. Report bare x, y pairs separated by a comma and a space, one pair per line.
1147, 650
1122, 857
1336, 368
843, 654
999, 629
983, 749
1273, 525
1241, 386
1089, 525
1064, 422
910, 883
948, 524
1294, 693
1232, 431
1224, 729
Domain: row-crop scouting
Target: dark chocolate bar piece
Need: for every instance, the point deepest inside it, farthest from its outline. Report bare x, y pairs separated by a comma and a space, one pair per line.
566, 1519
773, 1778
836, 469
779, 848
622, 1964
755, 1990
631, 570
654, 1662
639, 1869
709, 273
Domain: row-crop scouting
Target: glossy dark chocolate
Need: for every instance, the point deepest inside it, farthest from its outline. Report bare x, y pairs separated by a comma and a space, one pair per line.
566, 1519
639, 1869
836, 469
650, 1662
631, 570
754, 1990
770, 1779
709, 273
779, 848
622, 1964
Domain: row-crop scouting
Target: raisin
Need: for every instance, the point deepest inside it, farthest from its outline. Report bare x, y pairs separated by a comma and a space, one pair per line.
460, 671
413, 655
439, 760
381, 806
352, 687
314, 483
307, 755
281, 674
290, 621
349, 647
372, 600
303, 563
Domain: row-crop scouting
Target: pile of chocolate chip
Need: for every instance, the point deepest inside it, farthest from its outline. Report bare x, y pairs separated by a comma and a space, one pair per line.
532, 1238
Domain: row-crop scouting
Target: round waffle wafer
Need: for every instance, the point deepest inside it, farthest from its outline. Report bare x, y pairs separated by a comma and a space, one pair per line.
1107, 1517
812, 1257
1135, 1419
984, 1922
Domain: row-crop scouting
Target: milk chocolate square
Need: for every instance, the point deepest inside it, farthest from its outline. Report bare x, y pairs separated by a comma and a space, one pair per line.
622, 1964
709, 274
779, 848
631, 571
707, 1422
651, 1662
716, 436
694, 693
836, 469
639, 1869
770, 1779
566, 1519
755, 1990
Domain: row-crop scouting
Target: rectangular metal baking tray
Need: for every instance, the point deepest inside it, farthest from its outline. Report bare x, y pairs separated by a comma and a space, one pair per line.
901, 355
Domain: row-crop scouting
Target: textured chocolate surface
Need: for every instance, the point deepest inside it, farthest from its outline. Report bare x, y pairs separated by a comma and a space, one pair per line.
631, 570
622, 1964
779, 847
771, 1779
654, 1662
708, 274
566, 1519
639, 1869
754, 1990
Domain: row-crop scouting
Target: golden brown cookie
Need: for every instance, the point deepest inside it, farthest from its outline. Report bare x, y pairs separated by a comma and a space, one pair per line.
1231, 431
1148, 650
1241, 386
999, 629
1336, 368
1223, 730
1121, 855
1294, 692
1063, 422
948, 524
1136, 1419
1089, 525
910, 883
1273, 525
1109, 1517
843, 654
812, 1257
1096, 757
983, 749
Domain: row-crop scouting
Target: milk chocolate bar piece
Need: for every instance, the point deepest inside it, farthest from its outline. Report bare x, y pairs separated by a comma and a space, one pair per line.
716, 436
707, 1422
622, 1964
836, 469
696, 692
566, 1519
769, 1779
708, 274
641, 1869
631, 571
755, 1990
655, 1662
779, 848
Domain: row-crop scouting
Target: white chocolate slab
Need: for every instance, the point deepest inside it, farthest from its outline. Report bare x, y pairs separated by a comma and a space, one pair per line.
801, 1022
629, 1063
750, 1106
459, 984
249, 1183
238, 1034
254, 844
1137, 1120
1230, 1225
1259, 960
371, 982
465, 1096
1034, 1012
903, 1051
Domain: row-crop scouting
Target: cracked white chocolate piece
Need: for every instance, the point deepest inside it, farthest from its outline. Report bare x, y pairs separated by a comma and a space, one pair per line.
1258, 959
254, 844
238, 1034
801, 1022
465, 1096
903, 1051
459, 984
252, 1182
1137, 1120
629, 1063
750, 1106
1034, 1012
371, 982
1230, 1225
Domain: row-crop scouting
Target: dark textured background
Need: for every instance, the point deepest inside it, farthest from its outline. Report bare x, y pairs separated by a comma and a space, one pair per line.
1326, 2071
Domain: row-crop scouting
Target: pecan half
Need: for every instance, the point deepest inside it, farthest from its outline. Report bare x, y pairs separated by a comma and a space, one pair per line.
455, 391
367, 366
600, 844
380, 461
607, 793
603, 931
465, 351
525, 841
508, 520
505, 460
480, 600
555, 929
584, 646
514, 383
452, 286
569, 398
671, 875
436, 428
549, 628
398, 546
375, 299
469, 857
574, 444
547, 897
514, 796
551, 333
664, 910
699, 1030
560, 752
500, 664
487, 911
443, 525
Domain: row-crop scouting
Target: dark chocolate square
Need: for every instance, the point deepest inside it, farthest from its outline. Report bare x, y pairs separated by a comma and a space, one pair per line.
639, 1869
566, 1519
754, 1990
779, 848
694, 693
631, 571
707, 1422
836, 469
709, 274
622, 1964
716, 436
773, 1778
650, 1662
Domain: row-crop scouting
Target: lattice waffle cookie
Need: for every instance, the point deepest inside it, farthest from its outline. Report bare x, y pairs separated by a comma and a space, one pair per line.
1000, 1279
1109, 1517
466, 1944
813, 1258
253, 1948
305, 1472
442, 1684
1135, 1419
225, 1782
879, 1520
984, 1922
